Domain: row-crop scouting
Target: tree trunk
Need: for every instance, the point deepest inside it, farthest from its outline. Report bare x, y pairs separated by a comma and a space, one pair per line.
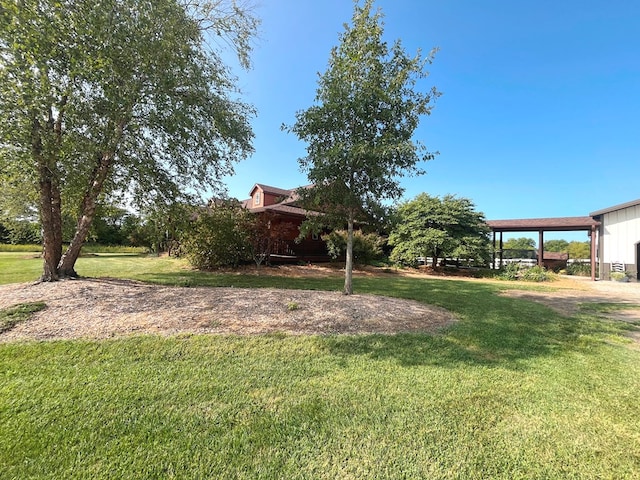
66, 266
50, 218
49, 203
348, 269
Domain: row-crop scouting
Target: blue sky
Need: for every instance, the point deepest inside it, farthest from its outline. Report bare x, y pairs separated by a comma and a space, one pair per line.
540, 108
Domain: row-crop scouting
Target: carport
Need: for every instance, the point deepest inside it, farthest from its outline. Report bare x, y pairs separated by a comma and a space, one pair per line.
541, 225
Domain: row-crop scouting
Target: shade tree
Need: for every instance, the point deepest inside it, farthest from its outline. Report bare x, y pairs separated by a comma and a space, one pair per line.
117, 99
447, 227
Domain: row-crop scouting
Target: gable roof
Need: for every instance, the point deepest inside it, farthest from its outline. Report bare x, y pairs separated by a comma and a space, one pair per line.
273, 190
622, 206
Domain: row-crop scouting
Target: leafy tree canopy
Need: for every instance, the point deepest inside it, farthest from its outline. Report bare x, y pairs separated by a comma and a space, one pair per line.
556, 246
447, 227
521, 243
117, 98
579, 249
359, 132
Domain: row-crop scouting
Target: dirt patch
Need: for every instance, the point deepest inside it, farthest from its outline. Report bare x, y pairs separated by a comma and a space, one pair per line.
103, 308
572, 293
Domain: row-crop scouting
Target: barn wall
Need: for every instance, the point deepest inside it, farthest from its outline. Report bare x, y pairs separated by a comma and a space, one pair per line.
621, 233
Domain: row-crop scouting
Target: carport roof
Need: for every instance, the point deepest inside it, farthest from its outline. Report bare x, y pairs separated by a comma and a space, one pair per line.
557, 224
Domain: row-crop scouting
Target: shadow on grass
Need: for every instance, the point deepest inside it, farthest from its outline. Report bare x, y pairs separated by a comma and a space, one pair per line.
493, 330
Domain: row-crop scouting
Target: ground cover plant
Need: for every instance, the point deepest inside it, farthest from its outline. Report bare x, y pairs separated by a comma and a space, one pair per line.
513, 390
10, 317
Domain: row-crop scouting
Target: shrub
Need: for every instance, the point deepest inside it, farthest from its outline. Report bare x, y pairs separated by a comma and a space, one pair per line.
581, 269
536, 274
510, 272
515, 271
619, 276
219, 237
366, 246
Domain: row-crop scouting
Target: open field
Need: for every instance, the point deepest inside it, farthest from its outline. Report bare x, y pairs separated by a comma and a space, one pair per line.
513, 389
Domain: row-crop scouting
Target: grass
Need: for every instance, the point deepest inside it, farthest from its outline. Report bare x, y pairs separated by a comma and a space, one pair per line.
11, 317
87, 248
513, 390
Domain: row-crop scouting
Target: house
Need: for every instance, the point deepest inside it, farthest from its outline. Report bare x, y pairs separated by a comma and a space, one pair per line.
619, 239
282, 213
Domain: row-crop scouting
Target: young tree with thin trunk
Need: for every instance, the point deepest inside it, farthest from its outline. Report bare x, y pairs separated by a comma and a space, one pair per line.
359, 132
117, 98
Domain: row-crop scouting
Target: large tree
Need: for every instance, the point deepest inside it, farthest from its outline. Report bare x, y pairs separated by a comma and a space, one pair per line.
521, 243
359, 132
447, 227
121, 98
556, 246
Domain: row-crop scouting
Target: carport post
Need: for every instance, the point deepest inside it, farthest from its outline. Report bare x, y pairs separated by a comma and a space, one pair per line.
541, 248
593, 253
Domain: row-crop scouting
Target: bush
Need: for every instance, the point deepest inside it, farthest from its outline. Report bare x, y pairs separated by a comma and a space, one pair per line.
515, 271
619, 276
219, 237
366, 247
510, 272
536, 274
581, 269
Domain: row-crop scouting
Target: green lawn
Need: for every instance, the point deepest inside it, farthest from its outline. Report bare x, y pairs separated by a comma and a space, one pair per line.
513, 390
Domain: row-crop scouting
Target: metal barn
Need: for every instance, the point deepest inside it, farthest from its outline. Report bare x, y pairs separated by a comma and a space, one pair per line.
619, 239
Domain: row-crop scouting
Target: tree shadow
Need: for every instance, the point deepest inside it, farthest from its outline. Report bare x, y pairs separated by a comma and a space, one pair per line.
493, 330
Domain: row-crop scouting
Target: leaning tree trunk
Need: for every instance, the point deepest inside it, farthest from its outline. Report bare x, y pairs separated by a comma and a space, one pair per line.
66, 266
348, 269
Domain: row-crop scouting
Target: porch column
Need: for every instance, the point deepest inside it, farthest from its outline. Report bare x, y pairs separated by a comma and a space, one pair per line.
493, 252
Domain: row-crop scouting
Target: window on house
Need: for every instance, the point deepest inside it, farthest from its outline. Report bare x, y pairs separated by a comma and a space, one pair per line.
256, 198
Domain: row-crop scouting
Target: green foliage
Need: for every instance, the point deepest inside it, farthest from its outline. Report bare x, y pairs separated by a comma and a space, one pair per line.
359, 132
521, 243
579, 269
121, 99
619, 276
366, 246
579, 250
10, 317
516, 271
556, 246
537, 274
219, 237
17, 232
447, 227
511, 271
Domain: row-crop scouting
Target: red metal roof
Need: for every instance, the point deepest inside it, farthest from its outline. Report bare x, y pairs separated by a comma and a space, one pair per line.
559, 224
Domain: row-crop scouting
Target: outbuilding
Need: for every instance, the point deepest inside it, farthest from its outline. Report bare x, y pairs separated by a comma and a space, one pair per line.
619, 239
